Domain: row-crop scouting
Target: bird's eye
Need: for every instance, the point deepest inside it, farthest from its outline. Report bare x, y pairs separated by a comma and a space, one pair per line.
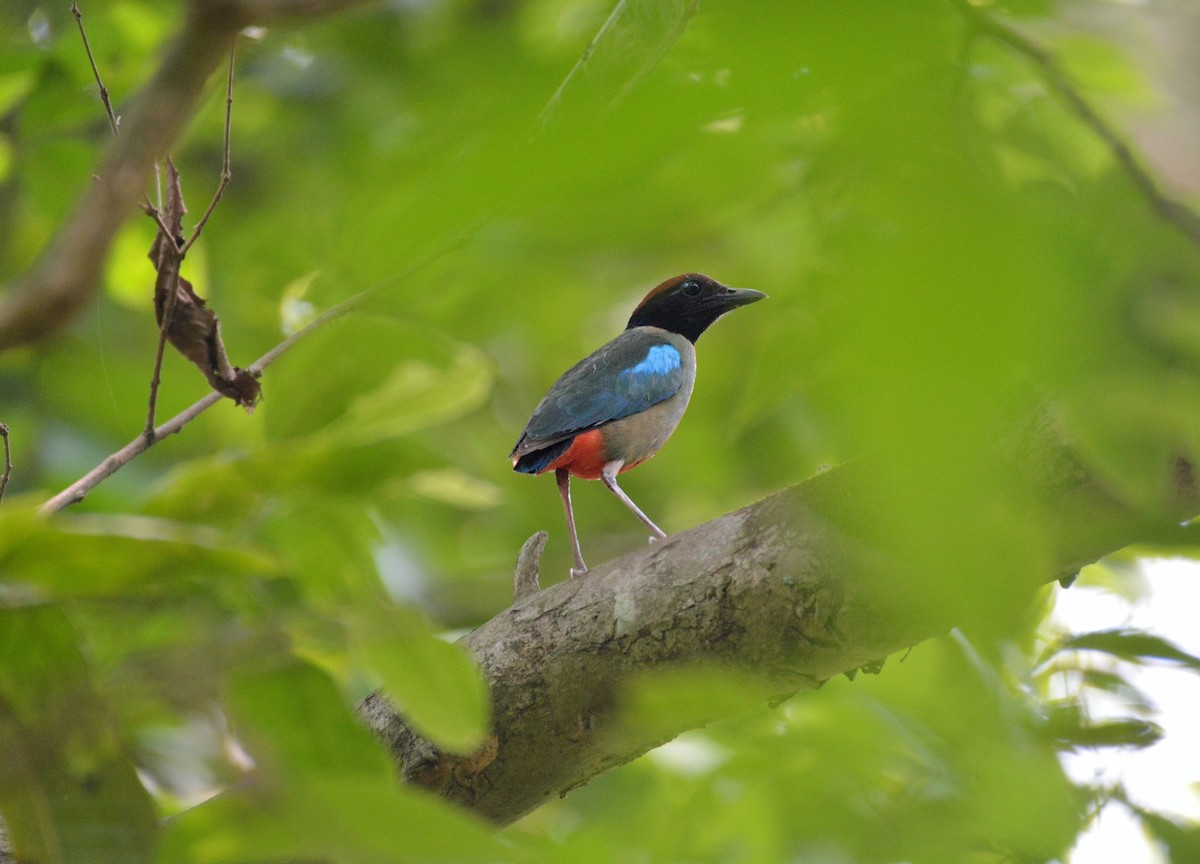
691, 287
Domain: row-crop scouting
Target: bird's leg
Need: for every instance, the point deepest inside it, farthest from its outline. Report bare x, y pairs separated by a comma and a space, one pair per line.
609, 475
564, 489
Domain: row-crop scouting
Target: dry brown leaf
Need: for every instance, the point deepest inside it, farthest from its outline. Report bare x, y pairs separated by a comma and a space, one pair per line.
194, 329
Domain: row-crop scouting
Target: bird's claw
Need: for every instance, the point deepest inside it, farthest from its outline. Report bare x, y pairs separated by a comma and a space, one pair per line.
576, 572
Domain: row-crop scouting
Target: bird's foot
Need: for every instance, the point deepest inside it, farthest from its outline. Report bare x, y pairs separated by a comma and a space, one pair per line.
576, 572
657, 538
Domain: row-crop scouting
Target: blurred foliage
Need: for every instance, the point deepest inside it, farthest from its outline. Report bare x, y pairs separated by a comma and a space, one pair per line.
945, 246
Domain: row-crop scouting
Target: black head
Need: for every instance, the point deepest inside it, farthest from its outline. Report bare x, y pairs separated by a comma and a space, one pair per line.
688, 304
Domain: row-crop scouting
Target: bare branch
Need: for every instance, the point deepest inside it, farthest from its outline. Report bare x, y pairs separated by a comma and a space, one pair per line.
7, 460
78, 490
225, 165
1177, 213
108, 109
159, 351
155, 213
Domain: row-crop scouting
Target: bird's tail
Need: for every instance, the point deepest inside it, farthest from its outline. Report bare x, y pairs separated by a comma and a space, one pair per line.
537, 461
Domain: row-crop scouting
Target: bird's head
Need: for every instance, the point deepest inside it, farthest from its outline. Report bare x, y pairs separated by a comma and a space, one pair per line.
688, 304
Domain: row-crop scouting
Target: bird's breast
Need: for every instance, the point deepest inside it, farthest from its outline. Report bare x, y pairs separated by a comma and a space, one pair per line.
636, 438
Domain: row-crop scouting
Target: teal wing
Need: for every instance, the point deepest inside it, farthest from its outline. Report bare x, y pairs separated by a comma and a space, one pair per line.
638, 369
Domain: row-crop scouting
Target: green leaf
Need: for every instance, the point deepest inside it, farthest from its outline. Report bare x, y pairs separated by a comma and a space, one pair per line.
322, 789
451, 486
1134, 459
299, 728
669, 701
416, 394
71, 555
1181, 840
365, 379
68, 792
436, 685
13, 87
1133, 645
1118, 685
327, 547
1068, 724
1133, 733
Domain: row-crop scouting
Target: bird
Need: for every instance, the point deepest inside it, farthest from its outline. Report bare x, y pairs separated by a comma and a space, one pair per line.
616, 407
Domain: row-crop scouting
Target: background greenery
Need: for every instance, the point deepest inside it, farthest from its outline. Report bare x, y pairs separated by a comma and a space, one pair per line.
945, 244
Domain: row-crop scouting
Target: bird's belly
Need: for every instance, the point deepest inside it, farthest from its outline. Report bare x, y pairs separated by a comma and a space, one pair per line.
585, 458
636, 438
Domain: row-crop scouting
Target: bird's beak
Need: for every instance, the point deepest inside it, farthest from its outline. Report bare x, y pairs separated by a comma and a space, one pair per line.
731, 298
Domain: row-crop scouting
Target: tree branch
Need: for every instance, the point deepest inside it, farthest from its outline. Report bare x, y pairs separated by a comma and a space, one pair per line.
78, 490
1176, 212
787, 592
66, 274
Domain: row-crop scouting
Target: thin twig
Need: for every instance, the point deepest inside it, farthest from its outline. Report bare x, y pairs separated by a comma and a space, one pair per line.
155, 213
1056, 78
7, 460
78, 490
225, 167
113, 123
160, 351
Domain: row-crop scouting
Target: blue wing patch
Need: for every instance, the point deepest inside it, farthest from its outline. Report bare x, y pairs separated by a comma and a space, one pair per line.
660, 360
628, 375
